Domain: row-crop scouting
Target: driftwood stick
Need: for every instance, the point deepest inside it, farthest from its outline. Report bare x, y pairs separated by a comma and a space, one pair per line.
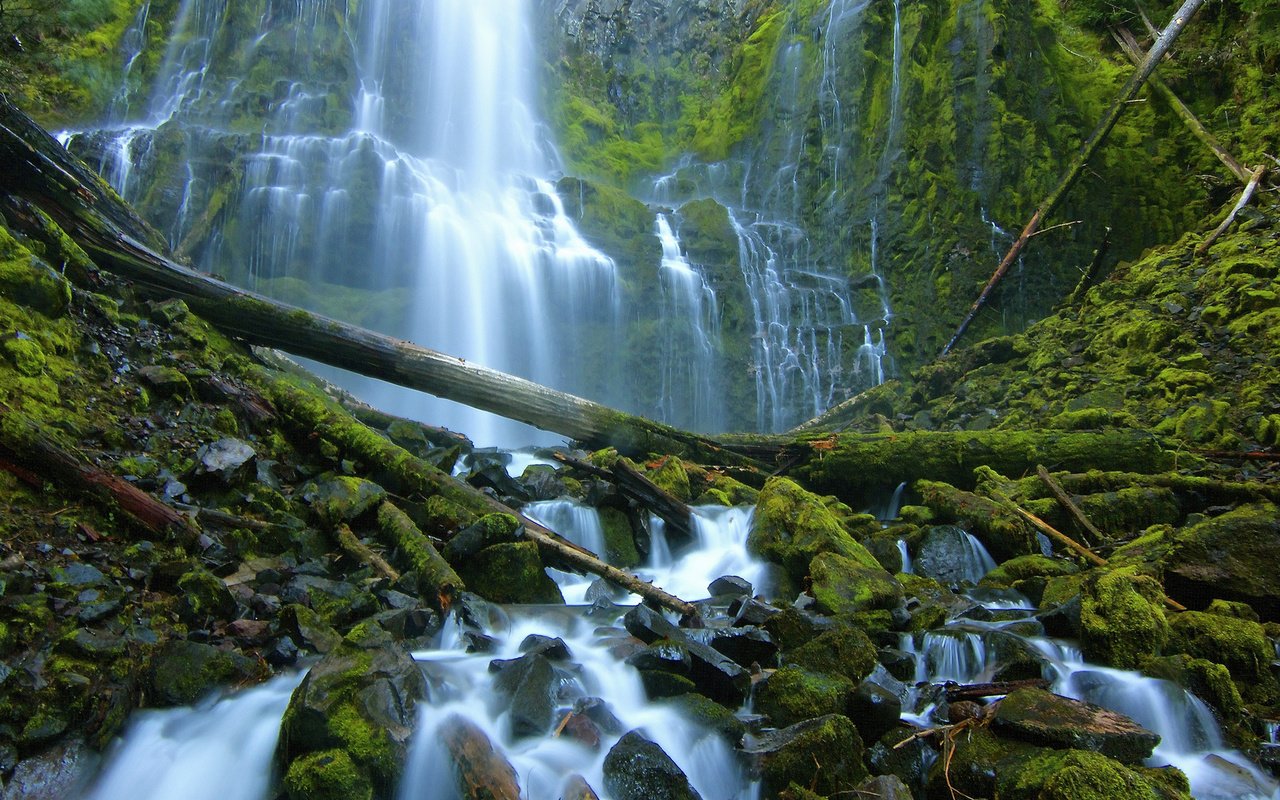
1070, 543
361, 552
1066, 502
974, 691
1171, 32
1245, 197
1125, 39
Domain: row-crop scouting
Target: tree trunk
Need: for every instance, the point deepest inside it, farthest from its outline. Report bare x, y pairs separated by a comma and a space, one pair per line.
1095, 140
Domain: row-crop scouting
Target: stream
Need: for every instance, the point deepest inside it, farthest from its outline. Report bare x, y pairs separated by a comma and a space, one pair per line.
223, 747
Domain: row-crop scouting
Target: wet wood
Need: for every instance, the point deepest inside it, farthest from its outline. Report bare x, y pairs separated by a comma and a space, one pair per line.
37, 452
1245, 197
637, 487
1130, 90
1068, 504
975, 691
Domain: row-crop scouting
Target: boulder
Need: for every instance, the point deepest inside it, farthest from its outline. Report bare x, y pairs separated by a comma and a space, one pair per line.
875, 709
342, 498
1050, 720
529, 685
823, 753
793, 694
745, 645
1075, 774
1231, 556
327, 775
183, 672
638, 769
361, 698
1121, 617
793, 525
946, 554
510, 573
715, 674
63, 770
844, 651
479, 770
729, 585
711, 715
842, 585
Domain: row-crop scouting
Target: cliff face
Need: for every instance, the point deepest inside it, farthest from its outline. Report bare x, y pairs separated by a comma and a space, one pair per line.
900, 146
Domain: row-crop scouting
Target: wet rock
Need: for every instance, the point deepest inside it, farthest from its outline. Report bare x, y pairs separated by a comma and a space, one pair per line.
1121, 618
884, 787
874, 709
946, 555
792, 526
183, 671
583, 730
1015, 658
77, 575
361, 698
529, 684
899, 663
342, 498
909, 761
752, 612
638, 769
711, 716
510, 573
665, 655
1239, 644
729, 585
745, 645
1230, 556
62, 771
842, 585
480, 642
793, 695
659, 684
407, 624
1077, 774
792, 627
844, 651
485, 532
1062, 620
1209, 681
542, 482
308, 629
327, 775
92, 644
1043, 718
823, 753
282, 652
169, 382
577, 788
715, 675
224, 458
553, 648
337, 602
598, 711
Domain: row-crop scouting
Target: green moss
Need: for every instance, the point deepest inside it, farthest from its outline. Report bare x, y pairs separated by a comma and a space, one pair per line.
792, 695
510, 573
825, 753
327, 775
619, 542
1122, 620
843, 586
1209, 681
792, 526
1073, 775
845, 652
1239, 644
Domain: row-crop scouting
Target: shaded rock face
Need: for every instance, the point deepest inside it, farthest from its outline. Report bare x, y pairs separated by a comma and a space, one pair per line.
1230, 556
792, 755
714, 674
637, 769
1043, 718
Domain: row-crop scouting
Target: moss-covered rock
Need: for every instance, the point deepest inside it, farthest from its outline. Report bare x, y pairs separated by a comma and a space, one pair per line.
843, 586
1080, 775
342, 498
1122, 620
327, 775
825, 753
793, 695
1209, 681
1240, 645
793, 526
204, 595
1228, 557
183, 672
845, 651
510, 573
1043, 718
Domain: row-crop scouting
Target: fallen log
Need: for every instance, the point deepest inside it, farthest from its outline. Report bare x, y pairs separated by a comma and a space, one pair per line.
1130, 90
1245, 197
35, 451
1125, 39
435, 577
637, 487
42, 171
1066, 502
362, 553
311, 415
977, 691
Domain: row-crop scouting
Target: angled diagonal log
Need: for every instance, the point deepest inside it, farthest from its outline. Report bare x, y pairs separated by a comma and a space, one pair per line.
636, 486
1245, 197
1066, 502
1125, 39
40, 170
1130, 90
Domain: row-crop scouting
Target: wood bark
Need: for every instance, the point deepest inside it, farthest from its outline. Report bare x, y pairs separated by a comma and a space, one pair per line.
1125, 39
1245, 197
637, 487
1130, 90
26, 443
39, 169
1066, 502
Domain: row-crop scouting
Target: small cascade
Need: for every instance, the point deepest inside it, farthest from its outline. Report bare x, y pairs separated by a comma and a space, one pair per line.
462, 685
691, 391
221, 749
906, 556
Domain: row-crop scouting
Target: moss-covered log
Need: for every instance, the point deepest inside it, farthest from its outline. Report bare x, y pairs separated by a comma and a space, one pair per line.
436, 579
851, 465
